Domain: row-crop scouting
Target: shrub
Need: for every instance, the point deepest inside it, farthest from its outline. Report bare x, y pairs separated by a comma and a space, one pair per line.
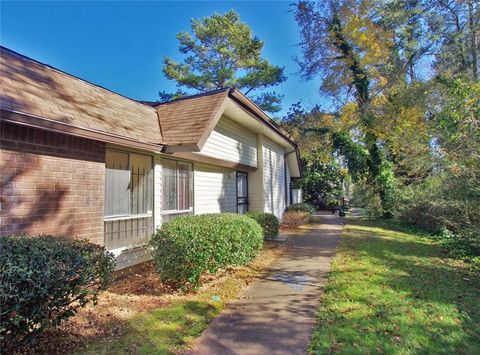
464, 245
44, 280
301, 207
184, 248
292, 219
267, 221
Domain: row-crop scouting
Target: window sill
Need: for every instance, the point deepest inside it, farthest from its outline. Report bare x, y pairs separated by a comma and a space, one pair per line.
121, 218
176, 211
130, 248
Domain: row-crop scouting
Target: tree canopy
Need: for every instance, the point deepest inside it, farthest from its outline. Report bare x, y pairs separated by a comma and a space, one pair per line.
221, 51
404, 77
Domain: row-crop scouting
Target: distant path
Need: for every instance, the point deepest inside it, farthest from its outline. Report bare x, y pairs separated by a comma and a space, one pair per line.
276, 314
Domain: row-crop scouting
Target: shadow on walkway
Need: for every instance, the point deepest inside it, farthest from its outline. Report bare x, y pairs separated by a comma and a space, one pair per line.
276, 314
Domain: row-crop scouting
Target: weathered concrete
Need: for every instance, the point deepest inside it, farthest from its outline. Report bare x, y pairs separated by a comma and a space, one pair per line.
276, 314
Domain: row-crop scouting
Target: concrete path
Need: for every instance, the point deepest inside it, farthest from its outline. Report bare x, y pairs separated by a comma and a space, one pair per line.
276, 314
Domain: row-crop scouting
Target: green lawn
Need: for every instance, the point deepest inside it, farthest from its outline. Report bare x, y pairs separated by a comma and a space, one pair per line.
396, 293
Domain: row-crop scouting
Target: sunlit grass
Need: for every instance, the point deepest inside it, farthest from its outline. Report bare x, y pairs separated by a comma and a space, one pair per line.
396, 293
174, 327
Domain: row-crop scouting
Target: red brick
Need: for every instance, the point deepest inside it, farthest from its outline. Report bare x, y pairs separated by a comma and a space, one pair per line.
51, 183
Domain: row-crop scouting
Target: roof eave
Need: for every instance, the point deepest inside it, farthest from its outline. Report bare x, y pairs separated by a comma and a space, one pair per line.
258, 113
29, 120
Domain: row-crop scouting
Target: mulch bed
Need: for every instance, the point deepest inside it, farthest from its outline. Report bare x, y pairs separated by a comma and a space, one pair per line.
131, 292
136, 291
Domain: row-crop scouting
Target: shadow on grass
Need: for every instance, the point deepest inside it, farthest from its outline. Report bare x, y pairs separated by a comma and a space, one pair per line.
167, 329
393, 292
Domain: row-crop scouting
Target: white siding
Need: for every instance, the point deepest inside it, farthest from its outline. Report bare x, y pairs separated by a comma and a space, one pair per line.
214, 189
289, 181
274, 178
297, 196
255, 181
157, 194
132, 257
231, 142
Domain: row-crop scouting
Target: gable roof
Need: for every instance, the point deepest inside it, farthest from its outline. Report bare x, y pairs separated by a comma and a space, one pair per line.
36, 94
188, 121
37, 90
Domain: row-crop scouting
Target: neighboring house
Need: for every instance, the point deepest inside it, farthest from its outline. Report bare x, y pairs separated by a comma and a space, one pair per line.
77, 159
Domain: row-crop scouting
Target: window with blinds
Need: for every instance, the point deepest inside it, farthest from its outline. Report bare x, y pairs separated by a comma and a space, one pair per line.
177, 188
128, 199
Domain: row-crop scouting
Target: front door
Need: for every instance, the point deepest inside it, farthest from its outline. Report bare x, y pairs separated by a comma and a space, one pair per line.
242, 192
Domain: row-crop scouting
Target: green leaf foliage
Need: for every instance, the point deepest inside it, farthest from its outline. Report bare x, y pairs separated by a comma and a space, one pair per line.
222, 52
301, 207
44, 280
269, 101
321, 183
166, 96
186, 247
267, 221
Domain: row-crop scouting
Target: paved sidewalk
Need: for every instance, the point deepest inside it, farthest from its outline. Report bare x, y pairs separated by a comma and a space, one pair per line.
276, 314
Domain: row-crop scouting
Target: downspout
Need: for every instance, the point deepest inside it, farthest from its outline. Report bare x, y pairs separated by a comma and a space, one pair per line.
285, 180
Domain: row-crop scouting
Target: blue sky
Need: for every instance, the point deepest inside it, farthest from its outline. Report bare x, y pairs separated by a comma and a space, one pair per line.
120, 45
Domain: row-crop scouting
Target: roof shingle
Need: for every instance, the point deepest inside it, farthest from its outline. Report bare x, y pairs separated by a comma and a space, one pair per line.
186, 121
33, 88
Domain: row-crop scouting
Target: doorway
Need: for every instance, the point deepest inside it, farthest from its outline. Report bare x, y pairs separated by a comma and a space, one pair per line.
242, 192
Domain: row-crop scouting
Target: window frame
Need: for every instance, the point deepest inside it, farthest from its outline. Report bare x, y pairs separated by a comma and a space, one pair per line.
247, 203
191, 187
151, 188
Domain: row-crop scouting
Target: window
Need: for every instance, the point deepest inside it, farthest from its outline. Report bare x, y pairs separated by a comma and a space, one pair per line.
177, 187
242, 192
128, 185
117, 181
128, 199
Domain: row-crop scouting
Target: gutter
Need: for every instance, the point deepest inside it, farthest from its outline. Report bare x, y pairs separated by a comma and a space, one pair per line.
297, 153
257, 113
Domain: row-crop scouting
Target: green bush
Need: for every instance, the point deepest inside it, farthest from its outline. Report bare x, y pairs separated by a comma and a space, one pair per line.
267, 221
463, 245
301, 207
184, 248
44, 280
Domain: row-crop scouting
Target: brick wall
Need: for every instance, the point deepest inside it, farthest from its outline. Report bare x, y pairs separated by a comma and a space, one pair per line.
51, 183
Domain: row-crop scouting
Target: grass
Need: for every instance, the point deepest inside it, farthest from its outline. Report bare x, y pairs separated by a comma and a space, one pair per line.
139, 314
163, 330
395, 292
175, 322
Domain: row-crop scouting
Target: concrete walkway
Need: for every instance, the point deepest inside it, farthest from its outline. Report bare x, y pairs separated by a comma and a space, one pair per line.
276, 314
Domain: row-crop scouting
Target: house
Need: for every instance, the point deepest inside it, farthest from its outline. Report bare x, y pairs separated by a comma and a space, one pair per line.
78, 159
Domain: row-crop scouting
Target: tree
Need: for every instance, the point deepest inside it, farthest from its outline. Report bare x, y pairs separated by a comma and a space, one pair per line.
341, 41
456, 24
322, 181
222, 52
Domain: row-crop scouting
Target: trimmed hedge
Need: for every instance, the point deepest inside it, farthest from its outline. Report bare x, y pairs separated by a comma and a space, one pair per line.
301, 207
267, 221
184, 248
44, 280
293, 219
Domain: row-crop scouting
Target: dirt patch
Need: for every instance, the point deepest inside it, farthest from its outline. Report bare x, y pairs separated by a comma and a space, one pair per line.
140, 290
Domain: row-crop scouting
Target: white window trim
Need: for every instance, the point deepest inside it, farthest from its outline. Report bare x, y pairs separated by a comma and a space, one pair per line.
177, 211
126, 217
191, 209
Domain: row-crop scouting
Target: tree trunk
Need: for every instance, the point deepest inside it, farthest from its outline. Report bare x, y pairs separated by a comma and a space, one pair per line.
377, 163
473, 39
